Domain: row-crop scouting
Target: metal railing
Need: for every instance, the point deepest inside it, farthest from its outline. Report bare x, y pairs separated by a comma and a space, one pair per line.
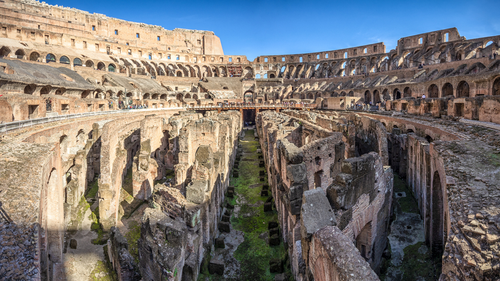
231, 106
37, 121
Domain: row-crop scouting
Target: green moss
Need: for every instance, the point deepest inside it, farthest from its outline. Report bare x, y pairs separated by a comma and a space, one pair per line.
254, 253
103, 272
417, 266
127, 181
132, 237
93, 188
408, 204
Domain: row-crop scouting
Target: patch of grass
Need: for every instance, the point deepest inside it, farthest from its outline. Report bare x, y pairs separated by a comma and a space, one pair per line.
408, 204
103, 272
93, 188
132, 237
254, 253
416, 265
127, 181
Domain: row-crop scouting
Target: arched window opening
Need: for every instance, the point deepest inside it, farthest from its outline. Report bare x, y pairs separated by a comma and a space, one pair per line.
111, 68
89, 63
101, 66
496, 87
407, 92
34, 56
433, 91
4, 51
396, 94
64, 60
20, 54
447, 90
50, 58
77, 62
368, 97
29, 89
463, 90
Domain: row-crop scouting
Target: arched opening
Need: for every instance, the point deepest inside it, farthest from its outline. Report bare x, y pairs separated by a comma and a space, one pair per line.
50, 58
463, 90
396, 94
272, 75
437, 225
29, 89
4, 51
89, 63
447, 90
407, 92
20, 54
496, 87
433, 91
376, 96
60, 91
34, 56
111, 68
101, 66
64, 60
45, 90
350, 94
386, 95
77, 62
363, 241
178, 73
368, 97
146, 96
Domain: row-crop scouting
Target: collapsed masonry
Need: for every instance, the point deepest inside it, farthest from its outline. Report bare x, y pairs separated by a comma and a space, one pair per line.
182, 222
324, 198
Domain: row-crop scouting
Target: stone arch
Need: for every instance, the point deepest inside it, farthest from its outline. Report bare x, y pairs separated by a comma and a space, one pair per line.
85, 94
463, 89
178, 73
20, 54
77, 62
64, 60
60, 91
34, 56
101, 66
45, 90
111, 68
447, 90
368, 97
54, 220
30, 89
437, 216
89, 63
407, 92
4, 51
376, 97
50, 58
386, 95
496, 87
396, 94
433, 91
146, 96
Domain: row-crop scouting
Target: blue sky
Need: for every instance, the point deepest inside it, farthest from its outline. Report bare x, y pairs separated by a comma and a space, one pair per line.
256, 27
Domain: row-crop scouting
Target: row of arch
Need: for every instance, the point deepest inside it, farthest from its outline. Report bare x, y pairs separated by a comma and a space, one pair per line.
141, 67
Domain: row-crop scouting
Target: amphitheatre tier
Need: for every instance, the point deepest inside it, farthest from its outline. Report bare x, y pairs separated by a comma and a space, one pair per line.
129, 152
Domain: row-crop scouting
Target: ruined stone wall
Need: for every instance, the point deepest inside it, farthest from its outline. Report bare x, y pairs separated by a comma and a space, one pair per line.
186, 218
293, 170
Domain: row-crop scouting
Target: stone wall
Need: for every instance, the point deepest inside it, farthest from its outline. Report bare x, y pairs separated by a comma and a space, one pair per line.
183, 221
320, 166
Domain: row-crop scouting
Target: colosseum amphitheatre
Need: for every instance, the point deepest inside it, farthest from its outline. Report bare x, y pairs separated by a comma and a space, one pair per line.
132, 152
